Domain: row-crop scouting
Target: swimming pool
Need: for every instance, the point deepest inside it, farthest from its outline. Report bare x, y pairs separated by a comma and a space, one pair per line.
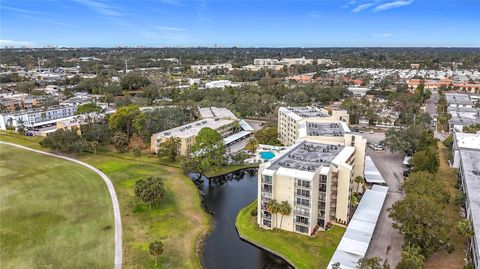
266, 155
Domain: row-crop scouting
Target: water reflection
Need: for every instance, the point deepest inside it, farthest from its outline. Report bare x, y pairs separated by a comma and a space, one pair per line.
224, 197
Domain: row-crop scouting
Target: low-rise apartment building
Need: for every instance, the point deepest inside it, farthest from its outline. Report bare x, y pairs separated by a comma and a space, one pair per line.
292, 119
466, 149
187, 133
315, 179
202, 69
35, 117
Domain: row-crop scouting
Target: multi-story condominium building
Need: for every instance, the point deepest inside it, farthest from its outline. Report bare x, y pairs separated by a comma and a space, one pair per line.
205, 68
284, 61
467, 159
36, 117
187, 133
292, 119
315, 179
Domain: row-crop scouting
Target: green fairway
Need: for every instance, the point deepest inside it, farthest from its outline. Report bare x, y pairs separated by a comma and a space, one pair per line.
179, 222
53, 213
300, 250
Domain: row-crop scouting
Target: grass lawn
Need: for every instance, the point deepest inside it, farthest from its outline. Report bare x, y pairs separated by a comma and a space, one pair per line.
214, 172
53, 213
300, 250
443, 260
179, 222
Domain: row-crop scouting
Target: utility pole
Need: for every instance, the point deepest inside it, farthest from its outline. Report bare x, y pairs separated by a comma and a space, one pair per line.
126, 66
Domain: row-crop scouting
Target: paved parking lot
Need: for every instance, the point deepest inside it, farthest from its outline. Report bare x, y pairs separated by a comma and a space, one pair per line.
386, 238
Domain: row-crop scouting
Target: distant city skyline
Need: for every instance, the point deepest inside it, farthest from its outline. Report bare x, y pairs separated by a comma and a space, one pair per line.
170, 23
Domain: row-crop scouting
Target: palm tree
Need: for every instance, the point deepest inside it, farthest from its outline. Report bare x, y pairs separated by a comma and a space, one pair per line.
464, 228
285, 210
155, 249
273, 207
359, 180
353, 200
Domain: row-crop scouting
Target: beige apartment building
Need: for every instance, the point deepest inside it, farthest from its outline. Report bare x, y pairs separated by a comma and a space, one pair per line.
292, 119
316, 179
187, 133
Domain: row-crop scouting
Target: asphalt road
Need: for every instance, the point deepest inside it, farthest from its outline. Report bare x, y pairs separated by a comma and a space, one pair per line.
113, 196
387, 241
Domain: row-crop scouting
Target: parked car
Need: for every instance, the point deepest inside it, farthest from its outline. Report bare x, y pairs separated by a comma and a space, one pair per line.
371, 132
360, 131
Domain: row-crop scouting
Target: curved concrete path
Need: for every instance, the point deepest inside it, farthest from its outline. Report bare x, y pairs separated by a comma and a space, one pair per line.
111, 190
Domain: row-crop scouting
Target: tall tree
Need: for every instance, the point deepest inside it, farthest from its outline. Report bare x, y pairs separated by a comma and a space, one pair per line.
120, 141
122, 119
411, 258
136, 145
209, 148
372, 263
150, 190
273, 207
284, 209
252, 145
170, 148
155, 249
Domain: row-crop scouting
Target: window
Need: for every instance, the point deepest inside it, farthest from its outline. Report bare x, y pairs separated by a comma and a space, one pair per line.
300, 219
302, 183
301, 229
303, 202
302, 192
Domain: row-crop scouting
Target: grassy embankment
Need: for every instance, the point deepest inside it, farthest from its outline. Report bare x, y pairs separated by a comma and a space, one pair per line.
53, 213
179, 222
454, 260
299, 250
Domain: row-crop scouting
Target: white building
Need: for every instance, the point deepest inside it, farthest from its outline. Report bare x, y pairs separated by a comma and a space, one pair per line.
220, 84
206, 68
358, 91
292, 119
315, 179
466, 149
36, 117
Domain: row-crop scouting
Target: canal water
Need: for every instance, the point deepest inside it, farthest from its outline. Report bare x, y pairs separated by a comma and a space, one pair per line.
224, 197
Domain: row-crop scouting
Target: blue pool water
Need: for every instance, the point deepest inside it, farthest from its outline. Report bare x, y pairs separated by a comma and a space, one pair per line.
267, 155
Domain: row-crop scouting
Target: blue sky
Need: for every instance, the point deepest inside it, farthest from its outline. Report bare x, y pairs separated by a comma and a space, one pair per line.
250, 23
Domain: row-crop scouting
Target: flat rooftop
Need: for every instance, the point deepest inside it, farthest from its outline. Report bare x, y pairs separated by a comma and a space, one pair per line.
325, 128
192, 129
458, 98
39, 109
308, 111
467, 141
307, 156
216, 112
470, 161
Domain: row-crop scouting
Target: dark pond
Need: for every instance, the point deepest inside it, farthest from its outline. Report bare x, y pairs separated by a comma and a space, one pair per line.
224, 197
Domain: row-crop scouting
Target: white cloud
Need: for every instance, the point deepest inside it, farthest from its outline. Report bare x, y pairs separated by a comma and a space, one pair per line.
362, 7
383, 35
12, 43
394, 4
101, 8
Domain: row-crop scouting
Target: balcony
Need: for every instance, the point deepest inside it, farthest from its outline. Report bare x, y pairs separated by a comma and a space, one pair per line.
301, 222
267, 181
266, 217
301, 213
266, 195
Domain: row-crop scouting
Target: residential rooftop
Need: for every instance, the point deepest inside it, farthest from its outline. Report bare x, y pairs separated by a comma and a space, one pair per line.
216, 112
307, 156
39, 109
326, 128
192, 129
471, 170
467, 141
308, 111
458, 99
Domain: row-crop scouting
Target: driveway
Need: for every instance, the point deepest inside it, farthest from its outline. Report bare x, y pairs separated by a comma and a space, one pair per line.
113, 197
385, 237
